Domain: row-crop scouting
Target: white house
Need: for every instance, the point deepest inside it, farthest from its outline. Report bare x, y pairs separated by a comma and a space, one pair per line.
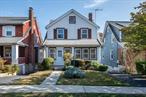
74, 33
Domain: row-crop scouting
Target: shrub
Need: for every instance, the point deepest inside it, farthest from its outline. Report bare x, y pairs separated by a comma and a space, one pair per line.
74, 72
102, 68
67, 63
67, 59
86, 65
94, 64
141, 67
77, 63
47, 64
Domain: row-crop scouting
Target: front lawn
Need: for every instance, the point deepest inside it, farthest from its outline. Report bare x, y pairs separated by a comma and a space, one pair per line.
32, 79
92, 78
67, 95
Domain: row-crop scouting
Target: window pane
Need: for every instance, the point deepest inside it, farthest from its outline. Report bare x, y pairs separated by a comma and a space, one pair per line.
72, 19
93, 53
60, 33
52, 52
85, 53
84, 33
7, 51
9, 33
77, 53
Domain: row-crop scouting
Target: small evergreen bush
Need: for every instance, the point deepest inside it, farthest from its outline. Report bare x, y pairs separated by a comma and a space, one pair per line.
47, 64
141, 67
102, 68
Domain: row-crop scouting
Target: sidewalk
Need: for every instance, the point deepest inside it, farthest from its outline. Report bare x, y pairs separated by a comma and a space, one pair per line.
71, 89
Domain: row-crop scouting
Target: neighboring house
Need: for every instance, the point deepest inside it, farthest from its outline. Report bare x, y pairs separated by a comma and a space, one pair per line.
74, 33
112, 43
20, 39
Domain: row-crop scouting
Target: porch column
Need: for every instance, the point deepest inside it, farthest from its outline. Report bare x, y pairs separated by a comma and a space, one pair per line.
15, 54
72, 51
46, 52
99, 54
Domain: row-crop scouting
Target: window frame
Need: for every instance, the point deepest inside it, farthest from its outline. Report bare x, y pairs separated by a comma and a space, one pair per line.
68, 49
62, 33
72, 21
80, 54
86, 53
93, 53
111, 55
82, 33
52, 53
9, 28
10, 53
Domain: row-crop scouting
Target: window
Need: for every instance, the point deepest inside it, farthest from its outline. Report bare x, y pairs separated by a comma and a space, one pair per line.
84, 33
52, 52
77, 53
7, 51
111, 55
60, 33
93, 53
59, 53
72, 19
8, 31
85, 53
67, 50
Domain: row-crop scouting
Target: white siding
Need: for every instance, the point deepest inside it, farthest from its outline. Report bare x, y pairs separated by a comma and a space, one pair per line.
72, 28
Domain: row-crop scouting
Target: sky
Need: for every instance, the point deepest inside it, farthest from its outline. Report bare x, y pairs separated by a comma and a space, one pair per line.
46, 10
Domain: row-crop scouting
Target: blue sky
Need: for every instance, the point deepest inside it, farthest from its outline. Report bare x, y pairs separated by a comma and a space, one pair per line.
45, 10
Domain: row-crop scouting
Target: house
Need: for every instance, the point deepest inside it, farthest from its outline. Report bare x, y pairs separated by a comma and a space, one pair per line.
20, 40
112, 43
74, 33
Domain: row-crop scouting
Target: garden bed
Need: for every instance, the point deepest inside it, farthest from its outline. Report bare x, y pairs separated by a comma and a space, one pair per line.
92, 78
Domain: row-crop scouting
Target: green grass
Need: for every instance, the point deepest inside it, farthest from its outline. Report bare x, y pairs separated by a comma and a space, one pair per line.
67, 95
92, 78
32, 79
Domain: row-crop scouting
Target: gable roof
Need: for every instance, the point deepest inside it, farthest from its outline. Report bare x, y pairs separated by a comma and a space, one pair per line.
115, 25
13, 20
69, 12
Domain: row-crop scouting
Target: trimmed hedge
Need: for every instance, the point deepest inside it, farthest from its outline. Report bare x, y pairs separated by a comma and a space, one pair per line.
141, 67
102, 68
47, 64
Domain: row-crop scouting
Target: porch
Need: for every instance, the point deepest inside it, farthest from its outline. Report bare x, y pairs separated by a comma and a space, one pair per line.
13, 54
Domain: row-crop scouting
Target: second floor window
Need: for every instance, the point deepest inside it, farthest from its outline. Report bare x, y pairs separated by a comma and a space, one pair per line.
9, 31
84, 33
72, 19
60, 33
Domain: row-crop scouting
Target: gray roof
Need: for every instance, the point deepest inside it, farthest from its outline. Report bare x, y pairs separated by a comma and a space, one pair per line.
13, 20
77, 43
116, 25
10, 40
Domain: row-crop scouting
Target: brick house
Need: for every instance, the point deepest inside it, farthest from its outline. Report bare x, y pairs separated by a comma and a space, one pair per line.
20, 39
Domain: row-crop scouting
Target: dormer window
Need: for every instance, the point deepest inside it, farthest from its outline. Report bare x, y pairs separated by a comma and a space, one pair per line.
72, 19
8, 31
84, 33
60, 33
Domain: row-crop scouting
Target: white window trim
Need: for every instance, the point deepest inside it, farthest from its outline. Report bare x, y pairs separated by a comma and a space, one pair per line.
94, 53
76, 53
7, 28
54, 53
58, 32
82, 33
83, 53
4, 54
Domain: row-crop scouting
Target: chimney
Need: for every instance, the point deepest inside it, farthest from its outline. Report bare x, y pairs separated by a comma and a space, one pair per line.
90, 17
30, 13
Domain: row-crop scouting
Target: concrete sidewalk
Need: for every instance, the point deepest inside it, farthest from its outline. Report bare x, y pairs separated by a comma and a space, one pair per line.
71, 89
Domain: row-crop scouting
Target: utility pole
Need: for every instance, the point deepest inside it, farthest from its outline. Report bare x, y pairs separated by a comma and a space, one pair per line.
97, 9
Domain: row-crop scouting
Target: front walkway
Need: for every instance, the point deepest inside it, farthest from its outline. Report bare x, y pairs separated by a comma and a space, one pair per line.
48, 86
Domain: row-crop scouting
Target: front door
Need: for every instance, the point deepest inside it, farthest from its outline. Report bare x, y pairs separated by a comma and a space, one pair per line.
59, 59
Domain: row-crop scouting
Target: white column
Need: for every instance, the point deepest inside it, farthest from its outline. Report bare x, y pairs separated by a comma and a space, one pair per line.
15, 54
72, 51
99, 54
46, 52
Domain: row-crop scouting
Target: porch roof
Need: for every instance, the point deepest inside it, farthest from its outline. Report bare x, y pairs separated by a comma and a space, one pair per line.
77, 43
11, 40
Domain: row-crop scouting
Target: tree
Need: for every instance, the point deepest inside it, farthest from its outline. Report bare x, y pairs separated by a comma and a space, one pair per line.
135, 33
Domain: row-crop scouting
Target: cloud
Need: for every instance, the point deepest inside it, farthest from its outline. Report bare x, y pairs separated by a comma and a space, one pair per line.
94, 3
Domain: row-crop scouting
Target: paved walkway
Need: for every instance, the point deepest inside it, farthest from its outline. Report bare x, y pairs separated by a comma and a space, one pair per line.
71, 89
52, 79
